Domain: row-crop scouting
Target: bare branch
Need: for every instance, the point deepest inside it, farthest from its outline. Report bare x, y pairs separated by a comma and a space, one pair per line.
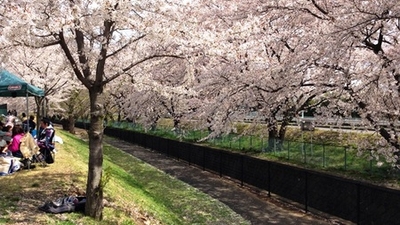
126, 69
319, 7
108, 26
83, 60
73, 63
125, 46
376, 48
42, 45
293, 9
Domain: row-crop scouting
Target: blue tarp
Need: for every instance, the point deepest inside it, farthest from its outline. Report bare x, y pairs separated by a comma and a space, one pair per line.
13, 86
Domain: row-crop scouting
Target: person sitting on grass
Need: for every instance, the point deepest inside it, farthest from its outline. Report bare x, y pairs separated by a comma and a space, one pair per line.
29, 125
8, 164
17, 134
46, 139
7, 129
5, 141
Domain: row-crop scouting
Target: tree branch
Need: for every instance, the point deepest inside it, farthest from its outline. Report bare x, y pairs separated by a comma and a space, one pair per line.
319, 7
48, 44
126, 69
70, 58
108, 25
83, 60
126, 45
376, 48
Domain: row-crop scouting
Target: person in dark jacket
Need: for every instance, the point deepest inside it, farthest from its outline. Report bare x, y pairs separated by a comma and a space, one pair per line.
46, 139
31, 123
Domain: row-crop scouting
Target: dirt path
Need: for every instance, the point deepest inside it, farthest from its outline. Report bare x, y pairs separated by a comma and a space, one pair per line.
249, 205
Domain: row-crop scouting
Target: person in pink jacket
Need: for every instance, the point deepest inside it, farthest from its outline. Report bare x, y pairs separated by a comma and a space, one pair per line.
17, 134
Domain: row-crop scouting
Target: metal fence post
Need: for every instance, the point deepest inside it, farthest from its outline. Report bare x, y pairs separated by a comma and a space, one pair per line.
241, 170
305, 153
370, 162
306, 192
204, 159
190, 156
269, 179
345, 158
358, 203
323, 155
262, 144
220, 163
168, 148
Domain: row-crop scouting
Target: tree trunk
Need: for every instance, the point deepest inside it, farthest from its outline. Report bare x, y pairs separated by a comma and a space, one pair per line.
71, 124
94, 188
271, 141
282, 134
209, 126
38, 101
272, 137
177, 122
276, 136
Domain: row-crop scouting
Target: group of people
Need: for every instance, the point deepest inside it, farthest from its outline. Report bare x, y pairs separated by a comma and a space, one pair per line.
21, 145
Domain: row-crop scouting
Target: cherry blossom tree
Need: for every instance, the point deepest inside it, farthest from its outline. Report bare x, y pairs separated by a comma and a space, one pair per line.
101, 40
168, 89
72, 108
269, 67
365, 63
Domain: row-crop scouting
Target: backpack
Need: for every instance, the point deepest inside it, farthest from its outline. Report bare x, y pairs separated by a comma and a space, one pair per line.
65, 204
47, 154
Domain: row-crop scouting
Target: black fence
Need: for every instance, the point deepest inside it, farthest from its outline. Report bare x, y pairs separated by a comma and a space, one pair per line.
359, 202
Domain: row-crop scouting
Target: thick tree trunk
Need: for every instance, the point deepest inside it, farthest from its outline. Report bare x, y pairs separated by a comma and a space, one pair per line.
38, 101
282, 130
177, 122
272, 136
276, 136
271, 141
94, 188
282, 134
71, 124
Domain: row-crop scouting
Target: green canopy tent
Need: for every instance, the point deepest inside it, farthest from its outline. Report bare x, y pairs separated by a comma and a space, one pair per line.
13, 86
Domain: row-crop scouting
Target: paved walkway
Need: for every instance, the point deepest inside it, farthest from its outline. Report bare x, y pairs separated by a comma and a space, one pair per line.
259, 210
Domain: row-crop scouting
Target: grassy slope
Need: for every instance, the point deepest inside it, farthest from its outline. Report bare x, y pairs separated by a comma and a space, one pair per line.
136, 193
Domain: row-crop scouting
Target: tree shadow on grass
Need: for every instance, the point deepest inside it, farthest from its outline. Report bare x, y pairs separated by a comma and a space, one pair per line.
24, 191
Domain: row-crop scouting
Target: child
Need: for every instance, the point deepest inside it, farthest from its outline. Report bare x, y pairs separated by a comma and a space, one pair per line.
5, 141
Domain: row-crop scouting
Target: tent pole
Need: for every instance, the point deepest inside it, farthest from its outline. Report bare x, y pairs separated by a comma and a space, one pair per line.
27, 111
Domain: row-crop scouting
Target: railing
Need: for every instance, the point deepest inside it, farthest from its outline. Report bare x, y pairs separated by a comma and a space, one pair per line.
312, 153
355, 201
